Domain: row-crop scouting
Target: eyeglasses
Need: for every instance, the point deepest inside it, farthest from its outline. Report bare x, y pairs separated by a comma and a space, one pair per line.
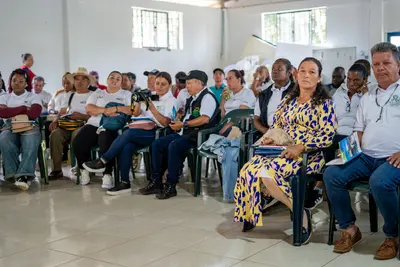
387, 102
348, 106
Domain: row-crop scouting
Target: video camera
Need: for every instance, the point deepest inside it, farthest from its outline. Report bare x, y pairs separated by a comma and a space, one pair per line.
144, 95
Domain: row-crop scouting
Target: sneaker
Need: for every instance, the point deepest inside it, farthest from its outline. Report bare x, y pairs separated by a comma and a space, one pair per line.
74, 170
108, 182
268, 202
85, 177
307, 233
22, 183
121, 188
55, 175
314, 198
153, 187
168, 191
94, 166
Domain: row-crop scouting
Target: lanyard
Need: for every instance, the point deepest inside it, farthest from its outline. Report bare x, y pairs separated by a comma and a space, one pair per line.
387, 102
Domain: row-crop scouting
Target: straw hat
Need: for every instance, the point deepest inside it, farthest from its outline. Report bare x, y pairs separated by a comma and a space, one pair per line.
81, 71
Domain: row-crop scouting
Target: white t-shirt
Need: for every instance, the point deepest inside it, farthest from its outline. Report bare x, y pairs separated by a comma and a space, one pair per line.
244, 97
78, 103
274, 101
182, 97
264, 86
345, 110
207, 106
59, 100
381, 138
45, 97
101, 98
165, 106
27, 99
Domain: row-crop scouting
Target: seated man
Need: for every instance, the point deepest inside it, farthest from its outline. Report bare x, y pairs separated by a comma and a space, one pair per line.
338, 77
180, 83
60, 137
38, 84
129, 82
61, 97
218, 88
377, 127
201, 111
151, 79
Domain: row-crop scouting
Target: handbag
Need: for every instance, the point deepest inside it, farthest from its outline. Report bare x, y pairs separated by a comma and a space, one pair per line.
69, 124
143, 124
114, 123
21, 123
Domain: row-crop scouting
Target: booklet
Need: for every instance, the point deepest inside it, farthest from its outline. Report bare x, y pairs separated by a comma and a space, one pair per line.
268, 150
349, 149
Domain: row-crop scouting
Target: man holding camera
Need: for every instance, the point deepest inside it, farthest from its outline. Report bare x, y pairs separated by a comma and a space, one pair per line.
201, 111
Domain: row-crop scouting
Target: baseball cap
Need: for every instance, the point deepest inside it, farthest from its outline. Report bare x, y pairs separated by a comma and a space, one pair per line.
197, 75
218, 69
152, 72
93, 73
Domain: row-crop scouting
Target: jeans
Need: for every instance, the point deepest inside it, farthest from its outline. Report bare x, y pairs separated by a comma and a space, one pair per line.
14, 144
87, 138
125, 145
170, 148
383, 181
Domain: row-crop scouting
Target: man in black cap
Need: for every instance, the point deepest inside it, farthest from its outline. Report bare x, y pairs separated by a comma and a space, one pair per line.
151, 78
180, 83
201, 112
218, 88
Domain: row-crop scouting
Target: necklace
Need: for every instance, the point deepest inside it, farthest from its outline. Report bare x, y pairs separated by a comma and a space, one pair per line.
384, 105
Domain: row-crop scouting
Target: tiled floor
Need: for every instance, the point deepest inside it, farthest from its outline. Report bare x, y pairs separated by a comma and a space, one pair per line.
66, 225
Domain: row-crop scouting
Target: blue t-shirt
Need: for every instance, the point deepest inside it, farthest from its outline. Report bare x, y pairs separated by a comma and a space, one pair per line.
217, 91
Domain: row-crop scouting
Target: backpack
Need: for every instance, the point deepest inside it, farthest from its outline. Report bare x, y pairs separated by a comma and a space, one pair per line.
114, 123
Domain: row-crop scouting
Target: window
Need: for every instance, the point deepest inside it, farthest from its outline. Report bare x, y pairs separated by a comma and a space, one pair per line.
394, 38
157, 29
306, 27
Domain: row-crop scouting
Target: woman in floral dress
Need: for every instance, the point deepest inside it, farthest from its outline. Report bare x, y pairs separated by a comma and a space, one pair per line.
307, 115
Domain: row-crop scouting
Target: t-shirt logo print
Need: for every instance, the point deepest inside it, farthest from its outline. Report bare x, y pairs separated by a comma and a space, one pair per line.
395, 101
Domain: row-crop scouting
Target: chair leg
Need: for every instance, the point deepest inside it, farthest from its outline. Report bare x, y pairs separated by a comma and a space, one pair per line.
147, 164
117, 176
398, 218
207, 166
332, 226
78, 176
219, 172
197, 178
298, 192
373, 214
42, 162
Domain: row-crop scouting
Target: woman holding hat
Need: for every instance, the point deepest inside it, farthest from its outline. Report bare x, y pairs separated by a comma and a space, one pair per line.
91, 135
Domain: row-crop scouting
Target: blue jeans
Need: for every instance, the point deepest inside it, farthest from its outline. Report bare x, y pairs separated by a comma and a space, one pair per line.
125, 145
171, 149
14, 144
383, 181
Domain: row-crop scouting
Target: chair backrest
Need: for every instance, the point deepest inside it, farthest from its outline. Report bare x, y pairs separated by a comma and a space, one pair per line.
241, 118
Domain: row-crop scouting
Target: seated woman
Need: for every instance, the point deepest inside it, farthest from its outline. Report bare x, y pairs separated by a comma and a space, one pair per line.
307, 116
262, 80
20, 102
90, 135
236, 96
160, 111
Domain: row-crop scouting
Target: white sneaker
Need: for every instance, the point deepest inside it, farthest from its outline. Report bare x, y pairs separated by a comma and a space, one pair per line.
22, 183
108, 182
74, 170
85, 177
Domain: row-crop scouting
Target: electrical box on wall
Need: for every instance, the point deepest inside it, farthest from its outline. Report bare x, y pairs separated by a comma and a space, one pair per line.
334, 57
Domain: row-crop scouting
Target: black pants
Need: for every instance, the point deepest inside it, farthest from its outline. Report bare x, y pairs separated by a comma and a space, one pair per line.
87, 138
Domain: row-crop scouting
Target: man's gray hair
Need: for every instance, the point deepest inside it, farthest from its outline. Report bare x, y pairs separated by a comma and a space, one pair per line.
386, 47
38, 78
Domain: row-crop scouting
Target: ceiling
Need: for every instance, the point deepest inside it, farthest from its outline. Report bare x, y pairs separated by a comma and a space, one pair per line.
228, 3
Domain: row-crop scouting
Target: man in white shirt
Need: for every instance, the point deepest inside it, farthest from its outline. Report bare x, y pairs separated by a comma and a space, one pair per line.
38, 85
377, 125
75, 106
61, 97
201, 111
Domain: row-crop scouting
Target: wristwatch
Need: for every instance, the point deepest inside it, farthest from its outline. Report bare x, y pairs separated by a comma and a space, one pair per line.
185, 124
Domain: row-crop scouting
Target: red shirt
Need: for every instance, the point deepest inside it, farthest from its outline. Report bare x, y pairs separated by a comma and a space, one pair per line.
31, 75
102, 87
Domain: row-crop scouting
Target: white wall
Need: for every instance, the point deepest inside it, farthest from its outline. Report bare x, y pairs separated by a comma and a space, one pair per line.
97, 34
349, 22
32, 27
100, 34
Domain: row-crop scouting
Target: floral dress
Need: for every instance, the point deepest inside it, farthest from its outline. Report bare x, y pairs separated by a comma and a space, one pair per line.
314, 127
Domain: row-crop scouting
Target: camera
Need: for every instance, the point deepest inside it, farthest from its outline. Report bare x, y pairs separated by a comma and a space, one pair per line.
144, 96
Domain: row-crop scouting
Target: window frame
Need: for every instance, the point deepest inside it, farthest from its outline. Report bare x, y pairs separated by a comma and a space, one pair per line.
293, 23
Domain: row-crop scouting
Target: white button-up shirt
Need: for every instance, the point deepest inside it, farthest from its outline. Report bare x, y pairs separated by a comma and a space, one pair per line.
345, 110
378, 117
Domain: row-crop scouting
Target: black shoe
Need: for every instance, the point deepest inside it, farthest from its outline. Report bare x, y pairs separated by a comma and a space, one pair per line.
306, 233
168, 191
95, 166
54, 175
248, 227
23, 183
121, 188
267, 202
153, 187
314, 198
